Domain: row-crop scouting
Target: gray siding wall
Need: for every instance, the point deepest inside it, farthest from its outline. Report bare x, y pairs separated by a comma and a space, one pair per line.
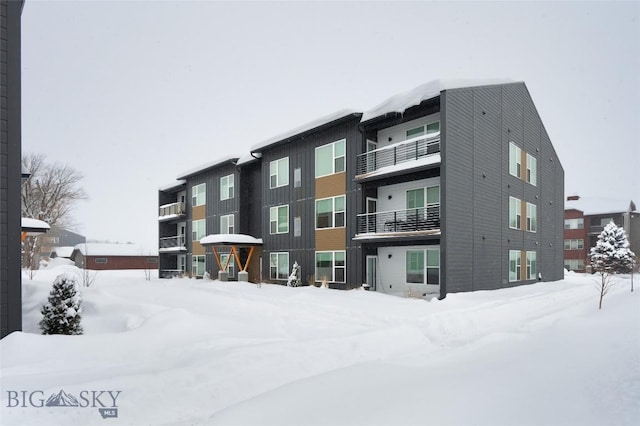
478, 124
10, 168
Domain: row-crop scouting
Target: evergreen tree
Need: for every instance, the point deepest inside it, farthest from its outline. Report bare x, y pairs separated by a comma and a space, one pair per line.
610, 255
62, 313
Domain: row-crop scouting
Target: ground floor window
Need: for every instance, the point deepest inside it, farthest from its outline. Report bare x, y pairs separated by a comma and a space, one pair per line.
231, 268
516, 259
279, 266
197, 265
514, 265
574, 264
532, 265
330, 266
423, 266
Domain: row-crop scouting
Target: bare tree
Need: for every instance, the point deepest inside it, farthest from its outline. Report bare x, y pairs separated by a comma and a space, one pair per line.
48, 194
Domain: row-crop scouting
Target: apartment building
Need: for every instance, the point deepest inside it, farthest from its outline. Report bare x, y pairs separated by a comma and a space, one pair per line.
584, 220
452, 186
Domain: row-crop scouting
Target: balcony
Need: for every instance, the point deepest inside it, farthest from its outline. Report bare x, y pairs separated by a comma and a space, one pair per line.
171, 211
172, 244
406, 155
423, 220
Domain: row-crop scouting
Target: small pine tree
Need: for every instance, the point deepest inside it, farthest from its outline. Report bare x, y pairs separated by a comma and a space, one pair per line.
610, 255
294, 278
62, 313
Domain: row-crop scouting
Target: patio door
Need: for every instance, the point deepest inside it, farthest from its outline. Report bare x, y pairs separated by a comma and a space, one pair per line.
372, 208
372, 271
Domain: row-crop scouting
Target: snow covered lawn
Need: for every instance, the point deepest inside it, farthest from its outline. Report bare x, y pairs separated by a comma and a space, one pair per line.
205, 352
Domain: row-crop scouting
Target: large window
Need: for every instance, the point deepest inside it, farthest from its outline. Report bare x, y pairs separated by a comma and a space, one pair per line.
415, 201
198, 194
515, 160
514, 265
577, 244
227, 224
279, 220
198, 229
574, 264
421, 264
231, 267
515, 213
330, 266
279, 266
574, 223
279, 173
532, 265
532, 170
330, 158
226, 187
532, 218
330, 212
197, 265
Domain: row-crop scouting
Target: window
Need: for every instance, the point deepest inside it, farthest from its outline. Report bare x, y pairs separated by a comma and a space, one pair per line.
532, 170
226, 187
514, 265
198, 229
515, 160
532, 265
330, 266
54, 240
152, 260
574, 264
416, 272
433, 128
101, 260
574, 244
226, 224
330, 158
532, 217
279, 173
197, 265
515, 213
279, 220
330, 212
574, 223
415, 132
198, 194
279, 266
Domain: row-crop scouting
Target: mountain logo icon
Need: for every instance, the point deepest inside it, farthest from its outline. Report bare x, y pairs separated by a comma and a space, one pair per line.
62, 399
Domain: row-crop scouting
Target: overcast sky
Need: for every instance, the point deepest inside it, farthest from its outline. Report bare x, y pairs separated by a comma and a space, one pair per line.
133, 93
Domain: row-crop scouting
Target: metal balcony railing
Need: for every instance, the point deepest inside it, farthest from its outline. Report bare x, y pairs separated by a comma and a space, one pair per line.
174, 209
398, 221
175, 243
402, 152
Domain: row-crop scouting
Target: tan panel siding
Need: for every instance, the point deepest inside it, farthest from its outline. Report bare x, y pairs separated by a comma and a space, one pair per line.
523, 265
197, 249
198, 212
523, 164
331, 239
332, 185
523, 215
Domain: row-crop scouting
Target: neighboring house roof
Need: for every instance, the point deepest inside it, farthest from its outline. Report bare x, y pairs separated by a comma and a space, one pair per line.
402, 101
25, 172
34, 226
105, 249
208, 165
600, 205
65, 251
173, 185
231, 239
311, 125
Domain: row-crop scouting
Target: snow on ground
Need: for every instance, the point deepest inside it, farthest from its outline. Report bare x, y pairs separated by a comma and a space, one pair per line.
186, 351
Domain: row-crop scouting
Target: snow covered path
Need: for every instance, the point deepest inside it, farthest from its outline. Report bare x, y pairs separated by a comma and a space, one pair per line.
203, 352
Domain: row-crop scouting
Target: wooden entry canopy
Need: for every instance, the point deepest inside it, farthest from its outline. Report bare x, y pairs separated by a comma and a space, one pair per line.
31, 227
235, 241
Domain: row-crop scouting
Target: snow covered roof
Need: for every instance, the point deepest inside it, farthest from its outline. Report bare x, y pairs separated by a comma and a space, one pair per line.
34, 226
107, 249
246, 159
64, 251
600, 205
208, 165
304, 128
229, 239
25, 172
402, 101
175, 184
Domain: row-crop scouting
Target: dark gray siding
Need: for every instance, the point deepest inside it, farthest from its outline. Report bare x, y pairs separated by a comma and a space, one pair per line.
10, 168
478, 124
250, 189
301, 201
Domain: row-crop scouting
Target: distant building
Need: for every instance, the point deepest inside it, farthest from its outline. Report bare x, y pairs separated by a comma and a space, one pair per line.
584, 220
57, 238
97, 256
